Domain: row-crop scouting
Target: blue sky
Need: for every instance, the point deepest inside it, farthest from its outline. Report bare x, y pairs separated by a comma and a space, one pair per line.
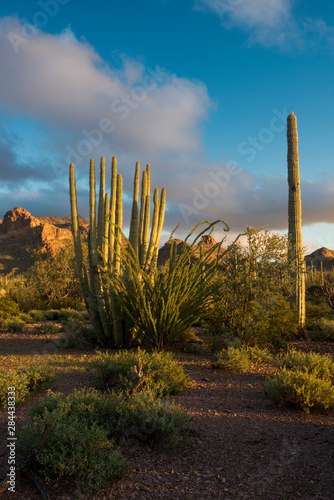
200, 89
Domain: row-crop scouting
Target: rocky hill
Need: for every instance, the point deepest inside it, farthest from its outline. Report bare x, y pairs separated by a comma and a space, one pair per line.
322, 257
21, 232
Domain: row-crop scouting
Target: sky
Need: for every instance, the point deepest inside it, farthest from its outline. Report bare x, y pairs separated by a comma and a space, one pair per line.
200, 89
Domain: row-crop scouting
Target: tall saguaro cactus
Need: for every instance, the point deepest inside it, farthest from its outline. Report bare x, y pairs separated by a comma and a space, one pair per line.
296, 256
105, 243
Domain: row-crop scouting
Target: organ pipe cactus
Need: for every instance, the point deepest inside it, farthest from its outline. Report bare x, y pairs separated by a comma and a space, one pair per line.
296, 256
105, 243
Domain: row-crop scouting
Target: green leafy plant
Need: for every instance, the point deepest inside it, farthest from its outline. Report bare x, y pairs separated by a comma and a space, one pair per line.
300, 388
75, 448
14, 324
242, 359
25, 380
322, 329
320, 365
115, 371
235, 359
37, 315
142, 415
45, 329
77, 336
8, 308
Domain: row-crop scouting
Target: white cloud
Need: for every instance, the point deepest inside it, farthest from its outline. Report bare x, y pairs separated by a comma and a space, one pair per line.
271, 23
63, 82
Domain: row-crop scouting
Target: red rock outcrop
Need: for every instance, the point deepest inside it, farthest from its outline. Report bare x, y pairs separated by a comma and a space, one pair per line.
18, 224
208, 240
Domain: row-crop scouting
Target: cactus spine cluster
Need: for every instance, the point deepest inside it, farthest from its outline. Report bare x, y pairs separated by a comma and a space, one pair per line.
105, 243
296, 256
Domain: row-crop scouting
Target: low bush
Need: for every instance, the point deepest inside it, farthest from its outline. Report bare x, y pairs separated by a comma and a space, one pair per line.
115, 371
75, 447
26, 317
45, 329
64, 314
322, 330
235, 359
14, 324
24, 380
300, 388
242, 359
8, 308
142, 415
37, 315
82, 425
77, 336
320, 365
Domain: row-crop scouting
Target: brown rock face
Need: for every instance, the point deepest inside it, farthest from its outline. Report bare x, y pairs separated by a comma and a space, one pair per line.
208, 240
322, 257
18, 224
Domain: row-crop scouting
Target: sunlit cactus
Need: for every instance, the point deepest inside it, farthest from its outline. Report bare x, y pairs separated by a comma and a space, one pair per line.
296, 256
105, 243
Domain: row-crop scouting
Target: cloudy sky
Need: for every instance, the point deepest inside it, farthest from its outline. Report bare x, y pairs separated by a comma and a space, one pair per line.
200, 89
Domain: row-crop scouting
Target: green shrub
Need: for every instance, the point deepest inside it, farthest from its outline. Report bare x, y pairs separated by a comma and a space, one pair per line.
45, 329
215, 343
75, 447
325, 328
115, 371
26, 317
24, 380
235, 359
11, 378
320, 365
242, 359
63, 314
37, 315
300, 388
77, 336
38, 375
14, 324
8, 308
142, 415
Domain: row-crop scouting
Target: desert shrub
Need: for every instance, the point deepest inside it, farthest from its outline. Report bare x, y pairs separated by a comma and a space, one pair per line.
11, 378
26, 318
14, 324
45, 329
24, 380
325, 329
303, 389
116, 371
314, 312
37, 315
75, 447
63, 314
320, 365
8, 308
51, 281
77, 336
242, 359
143, 415
37, 375
234, 359
215, 343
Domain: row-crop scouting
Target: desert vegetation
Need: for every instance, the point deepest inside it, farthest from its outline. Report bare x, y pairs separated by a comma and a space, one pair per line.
126, 323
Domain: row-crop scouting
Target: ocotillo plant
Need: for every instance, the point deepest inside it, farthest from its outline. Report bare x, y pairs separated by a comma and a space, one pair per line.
296, 256
105, 243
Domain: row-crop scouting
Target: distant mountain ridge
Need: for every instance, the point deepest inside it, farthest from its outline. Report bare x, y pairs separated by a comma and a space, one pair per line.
20, 231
